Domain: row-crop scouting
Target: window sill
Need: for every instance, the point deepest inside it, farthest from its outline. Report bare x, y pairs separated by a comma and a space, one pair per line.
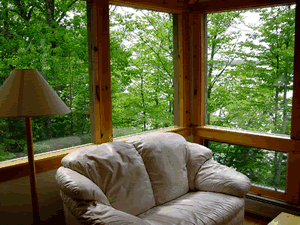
261, 140
16, 168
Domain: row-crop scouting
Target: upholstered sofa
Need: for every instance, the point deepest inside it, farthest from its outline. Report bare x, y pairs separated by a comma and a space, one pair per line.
155, 179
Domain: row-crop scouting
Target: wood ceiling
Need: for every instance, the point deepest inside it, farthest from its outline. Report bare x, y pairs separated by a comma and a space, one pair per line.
205, 6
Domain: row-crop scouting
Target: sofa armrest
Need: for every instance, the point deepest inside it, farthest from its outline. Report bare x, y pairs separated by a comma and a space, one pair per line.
96, 213
215, 177
78, 186
198, 155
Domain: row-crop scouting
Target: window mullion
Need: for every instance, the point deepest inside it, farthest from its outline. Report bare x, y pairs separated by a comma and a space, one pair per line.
293, 178
100, 74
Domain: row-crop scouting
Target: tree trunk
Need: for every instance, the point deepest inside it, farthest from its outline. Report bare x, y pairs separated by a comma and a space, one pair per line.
143, 103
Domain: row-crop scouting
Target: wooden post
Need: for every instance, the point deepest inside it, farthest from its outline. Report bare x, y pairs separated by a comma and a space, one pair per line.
293, 178
199, 78
184, 70
100, 75
176, 69
33, 189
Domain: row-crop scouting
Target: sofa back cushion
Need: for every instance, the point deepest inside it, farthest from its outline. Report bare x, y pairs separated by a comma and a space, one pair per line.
165, 158
119, 171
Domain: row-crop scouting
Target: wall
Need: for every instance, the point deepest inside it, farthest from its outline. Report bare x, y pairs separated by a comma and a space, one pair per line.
15, 200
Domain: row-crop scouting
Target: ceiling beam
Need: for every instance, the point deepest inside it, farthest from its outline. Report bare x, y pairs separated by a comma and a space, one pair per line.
229, 5
170, 6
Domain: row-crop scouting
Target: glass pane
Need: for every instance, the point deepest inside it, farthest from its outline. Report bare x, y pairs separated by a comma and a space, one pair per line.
141, 69
59, 53
250, 69
263, 167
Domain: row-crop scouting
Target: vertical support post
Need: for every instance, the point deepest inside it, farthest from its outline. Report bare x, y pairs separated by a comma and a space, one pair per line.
295, 131
184, 70
199, 78
89, 6
100, 74
293, 178
176, 69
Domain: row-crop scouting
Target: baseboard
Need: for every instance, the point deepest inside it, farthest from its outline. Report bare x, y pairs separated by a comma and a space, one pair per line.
268, 208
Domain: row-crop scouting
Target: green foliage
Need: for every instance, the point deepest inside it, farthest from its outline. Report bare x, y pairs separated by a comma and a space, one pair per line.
254, 94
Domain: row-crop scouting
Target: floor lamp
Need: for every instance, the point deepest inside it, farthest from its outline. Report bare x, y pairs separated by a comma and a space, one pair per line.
25, 93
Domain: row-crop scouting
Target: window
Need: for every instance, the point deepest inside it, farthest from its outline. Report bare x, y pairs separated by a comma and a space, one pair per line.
142, 71
250, 64
263, 167
250, 69
57, 47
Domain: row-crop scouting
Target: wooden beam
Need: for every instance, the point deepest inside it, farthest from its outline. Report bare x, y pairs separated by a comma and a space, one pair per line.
198, 71
176, 69
169, 6
91, 73
295, 128
184, 70
248, 138
293, 178
11, 170
267, 193
192, 2
100, 74
229, 5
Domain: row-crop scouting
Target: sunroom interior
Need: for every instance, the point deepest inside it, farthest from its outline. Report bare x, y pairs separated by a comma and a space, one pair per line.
189, 41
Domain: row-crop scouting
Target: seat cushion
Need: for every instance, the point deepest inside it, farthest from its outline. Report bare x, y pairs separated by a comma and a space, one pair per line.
201, 208
165, 158
119, 171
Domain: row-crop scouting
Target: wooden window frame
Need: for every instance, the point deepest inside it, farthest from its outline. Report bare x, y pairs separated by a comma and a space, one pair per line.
253, 139
190, 66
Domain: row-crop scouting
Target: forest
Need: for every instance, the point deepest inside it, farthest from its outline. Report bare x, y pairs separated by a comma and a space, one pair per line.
249, 76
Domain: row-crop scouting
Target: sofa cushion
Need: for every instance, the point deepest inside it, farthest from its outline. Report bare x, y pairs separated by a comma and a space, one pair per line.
201, 208
165, 158
119, 171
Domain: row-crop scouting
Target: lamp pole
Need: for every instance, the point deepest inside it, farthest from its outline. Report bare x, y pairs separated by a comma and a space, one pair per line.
34, 196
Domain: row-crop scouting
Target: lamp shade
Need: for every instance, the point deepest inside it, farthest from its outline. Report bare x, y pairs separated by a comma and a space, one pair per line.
25, 93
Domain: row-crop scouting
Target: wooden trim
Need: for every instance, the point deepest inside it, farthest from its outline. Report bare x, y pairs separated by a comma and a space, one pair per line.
293, 178
230, 5
248, 138
183, 131
184, 70
44, 162
198, 71
11, 170
169, 6
176, 69
91, 72
295, 131
192, 2
101, 71
267, 193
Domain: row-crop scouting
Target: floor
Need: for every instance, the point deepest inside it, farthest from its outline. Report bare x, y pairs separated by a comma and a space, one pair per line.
251, 219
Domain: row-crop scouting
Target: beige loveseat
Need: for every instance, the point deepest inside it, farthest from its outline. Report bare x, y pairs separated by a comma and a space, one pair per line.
152, 179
